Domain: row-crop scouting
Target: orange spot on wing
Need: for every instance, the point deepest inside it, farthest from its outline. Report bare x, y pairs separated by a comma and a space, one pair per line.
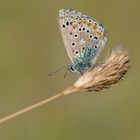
89, 23
100, 34
94, 26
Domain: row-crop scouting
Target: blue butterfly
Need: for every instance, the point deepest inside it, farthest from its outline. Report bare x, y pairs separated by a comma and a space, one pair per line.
83, 36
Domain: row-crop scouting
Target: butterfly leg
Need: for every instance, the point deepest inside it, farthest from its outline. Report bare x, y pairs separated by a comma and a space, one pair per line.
66, 72
81, 72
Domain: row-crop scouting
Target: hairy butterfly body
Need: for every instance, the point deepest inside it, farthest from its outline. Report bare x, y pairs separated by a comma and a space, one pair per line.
83, 36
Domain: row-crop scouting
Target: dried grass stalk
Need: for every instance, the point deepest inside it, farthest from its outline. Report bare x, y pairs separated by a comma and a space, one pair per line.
111, 71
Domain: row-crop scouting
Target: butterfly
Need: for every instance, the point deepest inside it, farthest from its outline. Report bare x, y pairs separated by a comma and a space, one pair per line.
83, 36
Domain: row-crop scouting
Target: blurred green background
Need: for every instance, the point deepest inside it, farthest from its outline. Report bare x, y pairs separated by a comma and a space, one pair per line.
31, 47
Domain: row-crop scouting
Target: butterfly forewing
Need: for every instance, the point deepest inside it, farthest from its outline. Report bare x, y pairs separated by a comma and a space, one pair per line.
65, 19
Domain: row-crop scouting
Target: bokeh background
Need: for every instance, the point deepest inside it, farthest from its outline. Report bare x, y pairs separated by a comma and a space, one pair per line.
31, 47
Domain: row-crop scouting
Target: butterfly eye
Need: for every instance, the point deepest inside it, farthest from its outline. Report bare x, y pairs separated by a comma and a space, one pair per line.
72, 69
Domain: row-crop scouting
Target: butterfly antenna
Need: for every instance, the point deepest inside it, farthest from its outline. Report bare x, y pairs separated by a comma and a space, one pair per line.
66, 72
56, 71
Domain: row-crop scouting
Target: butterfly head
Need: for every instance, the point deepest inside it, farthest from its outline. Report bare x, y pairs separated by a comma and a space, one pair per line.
75, 69
72, 68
